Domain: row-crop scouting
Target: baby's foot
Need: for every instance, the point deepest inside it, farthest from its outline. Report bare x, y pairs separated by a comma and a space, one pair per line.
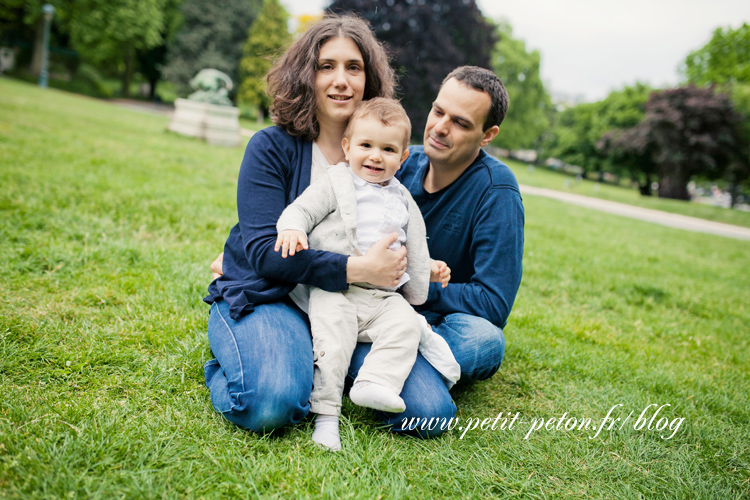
326, 432
376, 396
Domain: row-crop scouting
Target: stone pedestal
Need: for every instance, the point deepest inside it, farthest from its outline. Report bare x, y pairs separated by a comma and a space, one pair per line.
219, 125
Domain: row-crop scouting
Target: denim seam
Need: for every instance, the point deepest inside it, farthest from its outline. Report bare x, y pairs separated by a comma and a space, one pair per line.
236, 348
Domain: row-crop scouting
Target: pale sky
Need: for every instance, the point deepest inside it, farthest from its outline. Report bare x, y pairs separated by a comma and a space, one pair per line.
592, 47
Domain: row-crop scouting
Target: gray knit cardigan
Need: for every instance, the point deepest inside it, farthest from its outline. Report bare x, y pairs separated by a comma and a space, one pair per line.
327, 212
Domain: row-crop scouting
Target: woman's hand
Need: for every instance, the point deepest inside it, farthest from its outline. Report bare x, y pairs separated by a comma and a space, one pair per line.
216, 266
380, 266
440, 272
290, 241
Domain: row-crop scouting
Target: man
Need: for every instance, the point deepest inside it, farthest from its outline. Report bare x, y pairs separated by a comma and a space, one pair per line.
474, 217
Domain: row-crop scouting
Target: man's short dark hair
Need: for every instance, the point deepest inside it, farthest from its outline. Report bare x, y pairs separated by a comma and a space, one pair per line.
484, 80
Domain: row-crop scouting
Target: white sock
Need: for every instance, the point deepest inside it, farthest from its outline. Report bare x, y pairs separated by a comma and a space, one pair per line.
376, 396
326, 432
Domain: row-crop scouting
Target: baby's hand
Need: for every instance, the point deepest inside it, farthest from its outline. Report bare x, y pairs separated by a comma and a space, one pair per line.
440, 272
290, 241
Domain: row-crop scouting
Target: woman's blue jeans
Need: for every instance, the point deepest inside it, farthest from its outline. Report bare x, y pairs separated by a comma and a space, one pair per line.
262, 373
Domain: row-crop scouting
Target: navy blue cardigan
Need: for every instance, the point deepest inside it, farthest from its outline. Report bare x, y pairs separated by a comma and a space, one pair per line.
274, 171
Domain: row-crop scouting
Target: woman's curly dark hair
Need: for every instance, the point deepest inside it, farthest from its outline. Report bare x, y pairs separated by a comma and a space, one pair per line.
291, 80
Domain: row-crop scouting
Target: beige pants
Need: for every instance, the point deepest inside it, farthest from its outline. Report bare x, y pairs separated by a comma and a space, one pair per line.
339, 320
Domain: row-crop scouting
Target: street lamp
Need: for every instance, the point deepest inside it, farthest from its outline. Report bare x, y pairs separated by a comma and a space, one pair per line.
49, 11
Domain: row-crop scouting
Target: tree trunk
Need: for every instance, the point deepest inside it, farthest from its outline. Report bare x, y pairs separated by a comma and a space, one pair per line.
645, 189
734, 191
36, 59
152, 82
128, 73
673, 184
260, 114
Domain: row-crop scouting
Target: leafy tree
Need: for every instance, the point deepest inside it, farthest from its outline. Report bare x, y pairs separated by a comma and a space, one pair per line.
530, 104
725, 62
632, 150
428, 39
268, 34
24, 19
690, 131
151, 61
211, 36
724, 59
113, 30
579, 129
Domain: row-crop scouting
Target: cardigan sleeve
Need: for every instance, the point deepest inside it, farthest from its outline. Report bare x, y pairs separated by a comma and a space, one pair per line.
310, 208
270, 169
418, 256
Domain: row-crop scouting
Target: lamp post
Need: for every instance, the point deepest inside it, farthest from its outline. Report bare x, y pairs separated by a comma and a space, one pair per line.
49, 11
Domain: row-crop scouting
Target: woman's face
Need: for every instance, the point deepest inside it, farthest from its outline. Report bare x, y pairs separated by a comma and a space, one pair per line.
339, 80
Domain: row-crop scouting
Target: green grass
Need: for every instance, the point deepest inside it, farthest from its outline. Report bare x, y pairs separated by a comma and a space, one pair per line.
541, 177
107, 226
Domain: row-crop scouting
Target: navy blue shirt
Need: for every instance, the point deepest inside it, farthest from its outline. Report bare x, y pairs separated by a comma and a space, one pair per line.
475, 225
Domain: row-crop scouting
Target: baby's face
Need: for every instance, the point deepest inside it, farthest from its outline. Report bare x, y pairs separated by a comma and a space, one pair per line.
375, 151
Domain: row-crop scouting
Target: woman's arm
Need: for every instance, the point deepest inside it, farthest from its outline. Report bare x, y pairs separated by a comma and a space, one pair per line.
383, 267
272, 164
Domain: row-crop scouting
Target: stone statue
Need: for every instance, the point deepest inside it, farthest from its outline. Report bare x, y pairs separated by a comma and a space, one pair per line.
211, 86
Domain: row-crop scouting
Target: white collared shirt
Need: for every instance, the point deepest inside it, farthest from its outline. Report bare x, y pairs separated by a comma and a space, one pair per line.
381, 210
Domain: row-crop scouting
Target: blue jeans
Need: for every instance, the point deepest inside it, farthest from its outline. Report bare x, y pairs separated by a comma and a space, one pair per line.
262, 376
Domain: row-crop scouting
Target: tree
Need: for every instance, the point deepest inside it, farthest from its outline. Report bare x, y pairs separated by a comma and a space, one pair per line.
530, 104
151, 61
725, 63
268, 35
724, 59
113, 30
579, 129
21, 15
632, 150
690, 131
429, 39
211, 36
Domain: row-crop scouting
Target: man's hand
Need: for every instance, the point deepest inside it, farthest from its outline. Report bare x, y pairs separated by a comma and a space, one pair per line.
380, 266
290, 241
440, 272
217, 266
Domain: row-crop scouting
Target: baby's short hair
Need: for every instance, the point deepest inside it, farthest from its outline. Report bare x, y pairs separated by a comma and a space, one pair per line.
388, 111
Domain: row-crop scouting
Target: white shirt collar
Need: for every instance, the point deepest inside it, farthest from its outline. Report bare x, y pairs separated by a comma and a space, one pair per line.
359, 181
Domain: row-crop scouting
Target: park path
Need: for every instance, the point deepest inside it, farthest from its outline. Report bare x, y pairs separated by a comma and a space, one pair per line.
645, 214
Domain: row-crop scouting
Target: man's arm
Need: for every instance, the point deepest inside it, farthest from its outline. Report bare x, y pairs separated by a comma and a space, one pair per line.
496, 252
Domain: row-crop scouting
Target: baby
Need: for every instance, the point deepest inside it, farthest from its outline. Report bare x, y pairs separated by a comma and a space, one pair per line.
346, 211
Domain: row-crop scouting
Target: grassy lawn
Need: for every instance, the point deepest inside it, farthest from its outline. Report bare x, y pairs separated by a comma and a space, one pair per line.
107, 226
541, 177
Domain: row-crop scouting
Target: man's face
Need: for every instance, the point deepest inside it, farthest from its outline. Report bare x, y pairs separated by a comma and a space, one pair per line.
375, 151
453, 134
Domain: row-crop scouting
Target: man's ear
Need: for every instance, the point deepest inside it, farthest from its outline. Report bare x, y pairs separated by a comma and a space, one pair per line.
489, 134
345, 147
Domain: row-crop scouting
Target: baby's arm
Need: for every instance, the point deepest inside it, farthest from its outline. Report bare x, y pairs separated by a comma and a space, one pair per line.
300, 217
440, 272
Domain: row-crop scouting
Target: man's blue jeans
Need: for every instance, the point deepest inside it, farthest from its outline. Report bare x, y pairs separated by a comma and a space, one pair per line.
262, 375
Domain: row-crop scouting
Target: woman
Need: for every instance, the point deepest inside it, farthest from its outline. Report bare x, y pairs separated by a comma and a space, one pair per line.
262, 375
